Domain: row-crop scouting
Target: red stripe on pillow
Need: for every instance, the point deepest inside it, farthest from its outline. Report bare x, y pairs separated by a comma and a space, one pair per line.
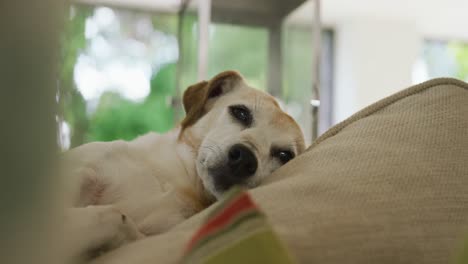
223, 218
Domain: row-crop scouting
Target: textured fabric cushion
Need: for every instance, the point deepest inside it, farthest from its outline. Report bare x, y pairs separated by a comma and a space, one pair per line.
387, 185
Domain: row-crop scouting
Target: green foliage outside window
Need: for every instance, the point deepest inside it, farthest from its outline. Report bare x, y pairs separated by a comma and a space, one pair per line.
118, 118
114, 117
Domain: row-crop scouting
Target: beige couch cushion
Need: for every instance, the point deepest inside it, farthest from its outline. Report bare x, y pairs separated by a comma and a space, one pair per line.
388, 185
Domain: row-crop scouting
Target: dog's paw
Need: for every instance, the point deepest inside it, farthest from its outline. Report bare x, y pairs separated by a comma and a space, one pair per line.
115, 228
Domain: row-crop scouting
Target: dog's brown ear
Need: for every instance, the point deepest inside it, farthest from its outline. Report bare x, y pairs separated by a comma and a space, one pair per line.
193, 101
198, 95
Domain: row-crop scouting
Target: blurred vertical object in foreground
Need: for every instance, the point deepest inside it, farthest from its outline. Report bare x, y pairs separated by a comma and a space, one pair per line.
29, 33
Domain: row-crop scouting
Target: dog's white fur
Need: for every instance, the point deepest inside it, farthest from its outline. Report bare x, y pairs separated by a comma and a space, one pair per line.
123, 191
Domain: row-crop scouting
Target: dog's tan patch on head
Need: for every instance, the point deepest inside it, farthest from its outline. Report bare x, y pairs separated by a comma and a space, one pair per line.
273, 101
282, 119
285, 122
277, 118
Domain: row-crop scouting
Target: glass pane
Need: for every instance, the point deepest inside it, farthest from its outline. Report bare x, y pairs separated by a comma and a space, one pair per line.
442, 59
188, 63
241, 48
119, 74
298, 67
230, 47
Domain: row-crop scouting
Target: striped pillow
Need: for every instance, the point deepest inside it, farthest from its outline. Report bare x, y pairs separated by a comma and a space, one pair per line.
236, 232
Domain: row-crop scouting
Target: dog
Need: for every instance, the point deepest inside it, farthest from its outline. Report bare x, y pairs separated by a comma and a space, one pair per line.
122, 191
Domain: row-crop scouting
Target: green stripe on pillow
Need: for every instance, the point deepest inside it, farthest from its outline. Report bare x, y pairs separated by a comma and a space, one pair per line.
260, 247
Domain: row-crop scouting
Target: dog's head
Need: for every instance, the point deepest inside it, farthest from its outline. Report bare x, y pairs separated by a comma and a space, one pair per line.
240, 134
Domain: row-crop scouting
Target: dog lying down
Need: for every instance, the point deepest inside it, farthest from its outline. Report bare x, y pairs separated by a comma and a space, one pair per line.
123, 191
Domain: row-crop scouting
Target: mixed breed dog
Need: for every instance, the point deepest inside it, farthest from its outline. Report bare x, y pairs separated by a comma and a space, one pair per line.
123, 191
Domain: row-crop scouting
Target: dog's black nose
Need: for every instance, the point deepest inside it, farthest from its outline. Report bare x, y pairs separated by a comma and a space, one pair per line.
242, 161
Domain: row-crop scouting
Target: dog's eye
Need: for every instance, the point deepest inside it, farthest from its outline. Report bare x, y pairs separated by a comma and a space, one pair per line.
284, 155
242, 114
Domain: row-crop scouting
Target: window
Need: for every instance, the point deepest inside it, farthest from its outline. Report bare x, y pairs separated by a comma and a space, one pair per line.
118, 74
241, 48
231, 47
124, 71
442, 59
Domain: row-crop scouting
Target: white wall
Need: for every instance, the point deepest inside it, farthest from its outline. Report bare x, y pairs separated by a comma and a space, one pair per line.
373, 59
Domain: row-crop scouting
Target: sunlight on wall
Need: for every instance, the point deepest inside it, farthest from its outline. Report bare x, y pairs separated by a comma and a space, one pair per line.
420, 71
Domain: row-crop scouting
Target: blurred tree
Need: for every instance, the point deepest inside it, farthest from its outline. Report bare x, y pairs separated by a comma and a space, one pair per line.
71, 103
166, 23
188, 44
115, 117
118, 118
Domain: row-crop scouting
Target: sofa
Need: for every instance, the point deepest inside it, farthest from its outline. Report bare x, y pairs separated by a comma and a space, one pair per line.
387, 185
